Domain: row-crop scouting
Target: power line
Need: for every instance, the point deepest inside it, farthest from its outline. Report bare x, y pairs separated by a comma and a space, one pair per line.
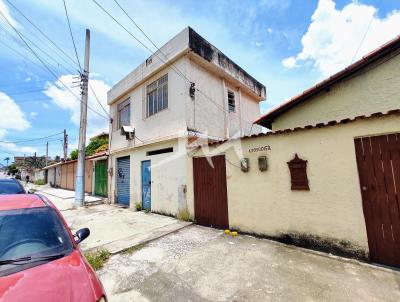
72, 37
58, 64
21, 55
363, 38
98, 101
38, 29
44, 64
154, 53
32, 139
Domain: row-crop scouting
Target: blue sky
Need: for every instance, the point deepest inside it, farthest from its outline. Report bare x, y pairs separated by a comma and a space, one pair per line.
288, 45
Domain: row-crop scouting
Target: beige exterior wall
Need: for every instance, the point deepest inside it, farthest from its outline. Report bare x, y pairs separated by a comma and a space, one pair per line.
375, 89
162, 125
263, 202
168, 175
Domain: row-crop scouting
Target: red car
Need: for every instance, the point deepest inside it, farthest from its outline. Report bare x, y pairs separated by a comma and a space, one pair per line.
40, 259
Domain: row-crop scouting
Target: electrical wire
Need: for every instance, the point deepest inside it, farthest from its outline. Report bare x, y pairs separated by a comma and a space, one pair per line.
38, 29
72, 37
48, 69
155, 53
31, 139
363, 38
101, 105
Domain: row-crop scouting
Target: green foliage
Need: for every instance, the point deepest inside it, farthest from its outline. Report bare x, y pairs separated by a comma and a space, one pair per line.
95, 144
98, 258
132, 249
12, 169
39, 182
74, 154
184, 215
138, 206
102, 148
35, 162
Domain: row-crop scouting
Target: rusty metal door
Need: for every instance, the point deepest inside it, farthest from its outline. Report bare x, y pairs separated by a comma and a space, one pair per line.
210, 195
378, 161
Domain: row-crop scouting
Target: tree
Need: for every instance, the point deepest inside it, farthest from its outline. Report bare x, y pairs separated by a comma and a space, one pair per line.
95, 144
35, 162
74, 154
12, 169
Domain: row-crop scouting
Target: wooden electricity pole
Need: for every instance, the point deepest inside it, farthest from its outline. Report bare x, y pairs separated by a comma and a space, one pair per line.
80, 174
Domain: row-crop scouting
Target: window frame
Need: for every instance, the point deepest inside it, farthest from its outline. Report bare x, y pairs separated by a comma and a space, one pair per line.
156, 96
120, 108
231, 107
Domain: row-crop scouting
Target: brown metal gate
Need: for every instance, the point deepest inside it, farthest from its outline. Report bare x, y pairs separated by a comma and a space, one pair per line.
378, 161
210, 195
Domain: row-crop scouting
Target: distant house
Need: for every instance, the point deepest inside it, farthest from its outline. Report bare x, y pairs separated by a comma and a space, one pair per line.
326, 177
63, 174
188, 90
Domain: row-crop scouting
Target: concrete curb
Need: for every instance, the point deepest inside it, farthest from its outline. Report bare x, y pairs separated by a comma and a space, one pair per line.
119, 246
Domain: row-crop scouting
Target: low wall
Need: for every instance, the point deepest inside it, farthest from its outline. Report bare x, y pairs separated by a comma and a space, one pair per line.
329, 215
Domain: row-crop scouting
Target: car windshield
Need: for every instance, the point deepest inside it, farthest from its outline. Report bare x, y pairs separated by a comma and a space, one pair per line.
11, 187
32, 235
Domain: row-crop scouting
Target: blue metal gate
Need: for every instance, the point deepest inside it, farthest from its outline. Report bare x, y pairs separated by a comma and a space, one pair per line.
146, 185
123, 180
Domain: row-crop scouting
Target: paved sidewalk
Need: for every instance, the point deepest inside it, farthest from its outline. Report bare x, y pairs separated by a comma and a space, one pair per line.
111, 227
116, 229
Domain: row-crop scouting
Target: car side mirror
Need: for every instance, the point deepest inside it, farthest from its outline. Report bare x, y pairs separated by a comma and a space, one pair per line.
82, 234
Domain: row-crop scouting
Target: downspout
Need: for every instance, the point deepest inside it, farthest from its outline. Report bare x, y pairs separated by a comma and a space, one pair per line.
224, 105
240, 111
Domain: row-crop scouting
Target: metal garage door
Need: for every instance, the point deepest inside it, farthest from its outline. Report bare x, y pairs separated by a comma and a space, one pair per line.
378, 160
123, 180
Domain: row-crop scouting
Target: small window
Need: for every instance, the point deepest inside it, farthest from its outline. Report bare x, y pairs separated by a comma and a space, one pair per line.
231, 101
160, 151
157, 96
124, 114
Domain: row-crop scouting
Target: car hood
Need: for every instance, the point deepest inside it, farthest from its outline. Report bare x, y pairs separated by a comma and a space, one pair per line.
67, 279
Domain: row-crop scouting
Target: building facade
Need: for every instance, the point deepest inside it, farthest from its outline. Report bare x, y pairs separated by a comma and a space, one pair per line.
327, 176
187, 91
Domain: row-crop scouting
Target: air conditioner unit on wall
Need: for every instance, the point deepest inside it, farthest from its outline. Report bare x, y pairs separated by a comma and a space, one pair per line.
128, 131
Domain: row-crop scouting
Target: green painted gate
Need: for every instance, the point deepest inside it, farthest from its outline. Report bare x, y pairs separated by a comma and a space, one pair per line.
100, 185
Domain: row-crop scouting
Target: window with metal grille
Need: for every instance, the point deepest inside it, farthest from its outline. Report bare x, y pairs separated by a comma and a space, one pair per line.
231, 101
157, 96
124, 114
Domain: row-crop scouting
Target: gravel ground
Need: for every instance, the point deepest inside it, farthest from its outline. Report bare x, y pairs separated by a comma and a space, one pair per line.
203, 264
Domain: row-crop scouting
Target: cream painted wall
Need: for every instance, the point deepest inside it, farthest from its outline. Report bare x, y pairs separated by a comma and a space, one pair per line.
263, 203
168, 174
376, 89
210, 114
161, 125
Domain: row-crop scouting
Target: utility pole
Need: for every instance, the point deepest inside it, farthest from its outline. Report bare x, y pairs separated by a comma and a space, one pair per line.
65, 145
80, 174
47, 153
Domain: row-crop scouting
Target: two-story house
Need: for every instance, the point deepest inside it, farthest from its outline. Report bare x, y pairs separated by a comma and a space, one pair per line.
187, 90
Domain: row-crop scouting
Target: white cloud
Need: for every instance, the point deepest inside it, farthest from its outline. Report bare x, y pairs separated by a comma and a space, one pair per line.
14, 148
4, 9
269, 30
45, 105
11, 116
333, 37
64, 99
289, 62
33, 114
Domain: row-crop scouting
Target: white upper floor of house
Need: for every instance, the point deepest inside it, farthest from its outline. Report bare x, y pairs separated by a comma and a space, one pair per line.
187, 86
